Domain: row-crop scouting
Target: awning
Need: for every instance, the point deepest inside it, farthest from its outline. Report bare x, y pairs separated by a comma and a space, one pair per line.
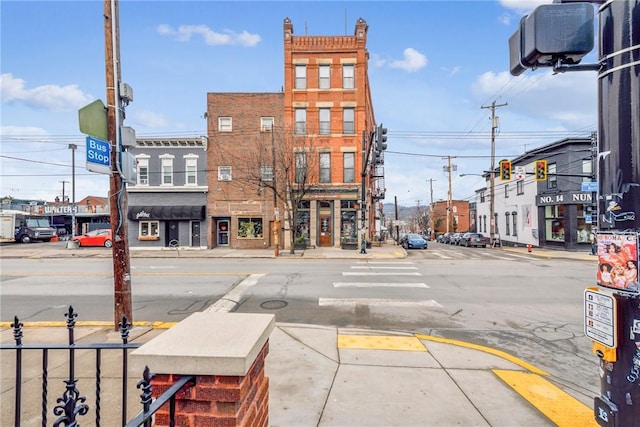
141, 213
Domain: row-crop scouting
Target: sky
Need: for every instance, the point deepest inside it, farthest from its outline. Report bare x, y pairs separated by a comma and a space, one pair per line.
435, 67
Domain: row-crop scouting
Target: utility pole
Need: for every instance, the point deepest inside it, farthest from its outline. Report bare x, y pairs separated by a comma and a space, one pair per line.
63, 183
492, 177
431, 219
276, 214
448, 169
117, 193
73, 148
395, 202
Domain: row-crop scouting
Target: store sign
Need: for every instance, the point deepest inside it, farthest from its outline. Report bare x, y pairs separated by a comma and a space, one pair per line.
568, 198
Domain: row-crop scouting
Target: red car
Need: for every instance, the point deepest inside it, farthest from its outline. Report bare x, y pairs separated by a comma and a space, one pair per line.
95, 238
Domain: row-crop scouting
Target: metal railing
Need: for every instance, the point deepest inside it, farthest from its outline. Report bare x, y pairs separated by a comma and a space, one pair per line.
72, 404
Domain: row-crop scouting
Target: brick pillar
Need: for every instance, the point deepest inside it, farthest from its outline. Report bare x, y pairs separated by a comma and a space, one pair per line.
227, 391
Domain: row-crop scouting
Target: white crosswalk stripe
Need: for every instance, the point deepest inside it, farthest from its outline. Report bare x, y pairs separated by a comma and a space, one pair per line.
384, 267
380, 284
373, 302
375, 273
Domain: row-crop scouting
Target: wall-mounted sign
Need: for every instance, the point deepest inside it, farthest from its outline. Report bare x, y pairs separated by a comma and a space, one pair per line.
618, 261
600, 317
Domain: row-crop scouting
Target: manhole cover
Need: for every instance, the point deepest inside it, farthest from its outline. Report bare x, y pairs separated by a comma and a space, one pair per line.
274, 304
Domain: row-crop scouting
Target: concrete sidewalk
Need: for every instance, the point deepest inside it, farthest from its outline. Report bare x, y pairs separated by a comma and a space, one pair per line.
327, 376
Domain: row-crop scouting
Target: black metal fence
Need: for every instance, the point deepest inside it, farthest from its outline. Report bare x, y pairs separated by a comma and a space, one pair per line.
72, 405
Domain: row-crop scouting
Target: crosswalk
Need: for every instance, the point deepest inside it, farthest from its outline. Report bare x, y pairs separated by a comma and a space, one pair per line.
452, 252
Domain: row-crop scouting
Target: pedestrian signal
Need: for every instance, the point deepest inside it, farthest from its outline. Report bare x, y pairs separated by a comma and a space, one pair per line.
505, 170
541, 170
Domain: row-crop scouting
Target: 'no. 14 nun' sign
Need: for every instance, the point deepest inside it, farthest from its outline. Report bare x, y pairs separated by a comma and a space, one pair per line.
98, 155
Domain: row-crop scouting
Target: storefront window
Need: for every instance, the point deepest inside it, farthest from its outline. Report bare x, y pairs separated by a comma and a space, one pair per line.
149, 228
554, 223
584, 226
249, 228
348, 224
303, 220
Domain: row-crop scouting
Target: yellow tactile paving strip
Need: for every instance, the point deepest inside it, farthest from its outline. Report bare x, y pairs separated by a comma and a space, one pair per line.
561, 408
380, 342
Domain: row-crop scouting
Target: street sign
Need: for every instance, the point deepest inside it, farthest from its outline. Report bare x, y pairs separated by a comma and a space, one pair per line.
93, 119
520, 172
589, 187
600, 317
98, 155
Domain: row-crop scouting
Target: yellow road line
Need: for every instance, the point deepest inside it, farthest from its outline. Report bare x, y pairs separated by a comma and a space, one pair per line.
380, 342
489, 350
561, 408
89, 323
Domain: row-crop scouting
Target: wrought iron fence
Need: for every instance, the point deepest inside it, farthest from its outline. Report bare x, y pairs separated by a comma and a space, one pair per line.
71, 405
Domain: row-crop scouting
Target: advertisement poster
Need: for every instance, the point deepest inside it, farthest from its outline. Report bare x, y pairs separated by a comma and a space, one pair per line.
618, 261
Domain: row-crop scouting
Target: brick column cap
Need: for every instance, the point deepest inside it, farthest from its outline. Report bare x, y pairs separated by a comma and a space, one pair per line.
207, 344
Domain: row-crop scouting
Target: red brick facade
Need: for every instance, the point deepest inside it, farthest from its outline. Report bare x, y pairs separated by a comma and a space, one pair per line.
459, 220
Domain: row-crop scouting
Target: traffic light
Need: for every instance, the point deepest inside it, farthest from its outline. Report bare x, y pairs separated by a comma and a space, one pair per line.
505, 170
381, 138
541, 170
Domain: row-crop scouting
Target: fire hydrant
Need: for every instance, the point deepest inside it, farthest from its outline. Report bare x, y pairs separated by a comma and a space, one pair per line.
529, 247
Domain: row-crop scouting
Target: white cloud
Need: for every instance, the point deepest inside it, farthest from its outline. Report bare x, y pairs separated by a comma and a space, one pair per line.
505, 19
227, 37
150, 119
523, 6
48, 97
412, 61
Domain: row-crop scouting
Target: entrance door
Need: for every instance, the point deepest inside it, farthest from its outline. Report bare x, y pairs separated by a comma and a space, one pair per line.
171, 235
325, 230
223, 232
195, 233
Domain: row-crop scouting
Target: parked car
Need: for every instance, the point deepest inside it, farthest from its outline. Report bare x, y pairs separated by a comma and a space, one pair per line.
444, 237
474, 239
95, 238
455, 238
414, 241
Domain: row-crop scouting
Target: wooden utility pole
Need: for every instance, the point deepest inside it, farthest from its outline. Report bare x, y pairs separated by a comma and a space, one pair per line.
117, 193
432, 232
492, 177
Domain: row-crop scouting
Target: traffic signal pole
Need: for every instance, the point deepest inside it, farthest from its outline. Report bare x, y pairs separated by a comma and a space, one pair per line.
618, 169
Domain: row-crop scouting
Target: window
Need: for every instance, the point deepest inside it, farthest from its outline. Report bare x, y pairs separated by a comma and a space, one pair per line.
506, 192
348, 121
301, 121
514, 216
143, 170
348, 167
552, 179
191, 164
266, 124
249, 228
495, 221
507, 216
482, 196
301, 77
301, 168
519, 187
167, 169
554, 223
224, 124
348, 221
266, 173
148, 228
348, 77
586, 170
224, 173
325, 121
325, 167
324, 76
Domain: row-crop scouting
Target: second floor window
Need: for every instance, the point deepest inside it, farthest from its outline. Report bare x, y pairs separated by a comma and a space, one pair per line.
266, 173
266, 124
301, 121
224, 124
348, 76
482, 197
586, 170
348, 121
143, 171
301, 77
348, 165
167, 171
325, 167
520, 187
506, 191
552, 179
324, 76
301, 168
191, 173
325, 121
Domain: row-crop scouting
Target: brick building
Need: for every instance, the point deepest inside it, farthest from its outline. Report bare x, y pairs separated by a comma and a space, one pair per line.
459, 218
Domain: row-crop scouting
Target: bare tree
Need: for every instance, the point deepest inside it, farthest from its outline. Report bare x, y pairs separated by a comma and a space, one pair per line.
286, 165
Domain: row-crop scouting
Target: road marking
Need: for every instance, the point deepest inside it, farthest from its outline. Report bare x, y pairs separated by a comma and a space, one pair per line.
399, 268
560, 407
352, 302
442, 256
380, 342
374, 284
384, 262
372, 273
232, 298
